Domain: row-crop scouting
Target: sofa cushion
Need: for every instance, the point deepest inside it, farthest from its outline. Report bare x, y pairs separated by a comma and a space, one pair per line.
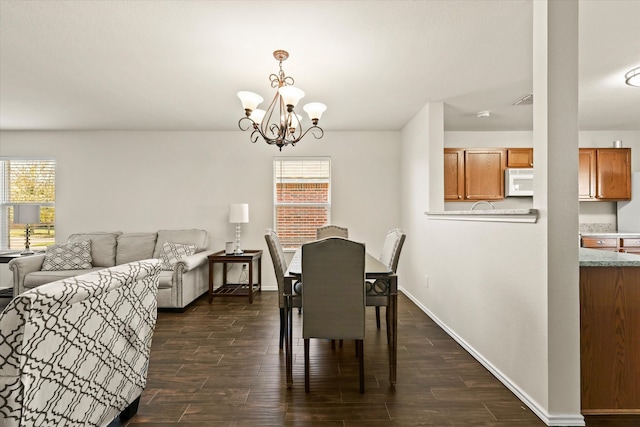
199, 238
103, 247
173, 252
68, 256
37, 278
135, 247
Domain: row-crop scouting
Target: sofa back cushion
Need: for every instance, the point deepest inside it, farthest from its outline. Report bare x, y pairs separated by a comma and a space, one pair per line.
199, 238
103, 246
135, 247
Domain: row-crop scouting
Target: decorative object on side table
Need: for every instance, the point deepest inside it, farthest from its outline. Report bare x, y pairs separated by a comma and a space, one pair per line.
26, 214
238, 214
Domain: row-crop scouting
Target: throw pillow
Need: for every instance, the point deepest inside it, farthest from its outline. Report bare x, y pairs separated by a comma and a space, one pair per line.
68, 256
171, 253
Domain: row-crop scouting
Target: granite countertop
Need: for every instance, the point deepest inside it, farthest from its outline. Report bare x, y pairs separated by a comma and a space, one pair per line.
600, 258
611, 234
494, 215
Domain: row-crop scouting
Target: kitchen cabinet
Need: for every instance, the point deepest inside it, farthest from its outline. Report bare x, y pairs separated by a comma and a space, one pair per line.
604, 174
614, 242
587, 174
609, 330
630, 245
474, 174
453, 174
604, 243
519, 157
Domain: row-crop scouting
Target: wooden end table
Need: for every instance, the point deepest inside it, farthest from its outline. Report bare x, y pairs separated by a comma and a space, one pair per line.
249, 257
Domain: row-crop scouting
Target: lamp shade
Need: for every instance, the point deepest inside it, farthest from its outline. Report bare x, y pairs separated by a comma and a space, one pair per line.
314, 110
291, 95
26, 214
257, 115
250, 100
238, 213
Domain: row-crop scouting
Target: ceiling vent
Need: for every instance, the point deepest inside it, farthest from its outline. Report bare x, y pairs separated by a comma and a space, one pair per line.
525, 100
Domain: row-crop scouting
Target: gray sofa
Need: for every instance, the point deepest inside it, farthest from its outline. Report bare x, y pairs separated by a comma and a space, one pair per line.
54, 336
186, 281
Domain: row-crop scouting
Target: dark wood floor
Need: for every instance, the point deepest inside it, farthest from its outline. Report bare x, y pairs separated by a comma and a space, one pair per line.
219, 365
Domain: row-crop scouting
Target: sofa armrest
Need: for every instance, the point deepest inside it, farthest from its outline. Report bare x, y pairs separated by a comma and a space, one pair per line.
23, 266
193, 261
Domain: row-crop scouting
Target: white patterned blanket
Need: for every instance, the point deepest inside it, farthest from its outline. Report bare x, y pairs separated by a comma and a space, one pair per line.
75, 352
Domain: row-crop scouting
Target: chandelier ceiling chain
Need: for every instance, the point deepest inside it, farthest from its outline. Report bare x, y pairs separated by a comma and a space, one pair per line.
279, 124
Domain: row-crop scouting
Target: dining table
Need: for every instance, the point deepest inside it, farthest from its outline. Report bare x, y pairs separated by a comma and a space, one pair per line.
374, 271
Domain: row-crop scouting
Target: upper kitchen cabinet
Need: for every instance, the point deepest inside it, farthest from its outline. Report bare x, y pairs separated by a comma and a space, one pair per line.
484, 174
453, 174
587, 174
605, 174
472, 174
519, 157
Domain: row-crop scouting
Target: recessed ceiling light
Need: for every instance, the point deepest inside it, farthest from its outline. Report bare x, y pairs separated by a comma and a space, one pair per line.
632, 78
483, 114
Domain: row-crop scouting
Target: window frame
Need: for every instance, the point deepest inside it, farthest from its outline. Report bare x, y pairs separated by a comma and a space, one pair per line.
276, 204
6, 204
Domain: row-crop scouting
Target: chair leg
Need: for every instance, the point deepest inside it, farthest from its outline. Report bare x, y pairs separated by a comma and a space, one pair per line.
360, 347
378, 316
306, 365
282, 323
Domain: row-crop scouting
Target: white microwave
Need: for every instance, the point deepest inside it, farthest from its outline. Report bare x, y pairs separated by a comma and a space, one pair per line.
518, 182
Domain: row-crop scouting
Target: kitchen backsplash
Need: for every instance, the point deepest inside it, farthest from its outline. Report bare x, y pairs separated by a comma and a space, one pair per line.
597, 227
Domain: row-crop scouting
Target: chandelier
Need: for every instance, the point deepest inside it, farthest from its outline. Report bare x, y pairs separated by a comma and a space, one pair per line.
279, 124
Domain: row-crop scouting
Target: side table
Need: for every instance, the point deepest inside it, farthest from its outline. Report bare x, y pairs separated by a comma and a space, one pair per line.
249, 257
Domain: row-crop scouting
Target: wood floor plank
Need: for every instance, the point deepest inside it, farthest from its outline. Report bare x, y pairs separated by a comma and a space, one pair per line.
219, 365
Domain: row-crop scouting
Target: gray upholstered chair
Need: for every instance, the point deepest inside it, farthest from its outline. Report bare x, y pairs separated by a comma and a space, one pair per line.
280, 268
333, 301
331, 231
376, 291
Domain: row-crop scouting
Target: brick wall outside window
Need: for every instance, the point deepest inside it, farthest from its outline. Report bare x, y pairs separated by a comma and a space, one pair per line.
302, 199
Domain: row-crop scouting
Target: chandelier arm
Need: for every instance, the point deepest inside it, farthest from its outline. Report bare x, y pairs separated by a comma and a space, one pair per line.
316, 131
249, 125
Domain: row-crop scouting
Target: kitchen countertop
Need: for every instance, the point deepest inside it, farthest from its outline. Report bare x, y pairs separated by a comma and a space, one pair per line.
610, 234
491, 215
600, 258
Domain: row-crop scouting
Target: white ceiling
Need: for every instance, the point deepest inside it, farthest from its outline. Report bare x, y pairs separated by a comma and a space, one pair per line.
177, 65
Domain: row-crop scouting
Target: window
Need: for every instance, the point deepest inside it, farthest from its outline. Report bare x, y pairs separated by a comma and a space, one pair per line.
25, 180
302, 198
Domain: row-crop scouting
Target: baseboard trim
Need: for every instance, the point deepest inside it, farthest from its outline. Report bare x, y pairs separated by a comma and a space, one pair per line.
568, 420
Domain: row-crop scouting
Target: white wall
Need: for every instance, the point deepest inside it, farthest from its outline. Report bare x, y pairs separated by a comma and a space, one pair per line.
145, 181
507, 292
484, 284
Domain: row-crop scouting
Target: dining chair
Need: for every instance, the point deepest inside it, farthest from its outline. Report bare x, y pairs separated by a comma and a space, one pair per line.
331, 231
280, 268
333, 301
377, 290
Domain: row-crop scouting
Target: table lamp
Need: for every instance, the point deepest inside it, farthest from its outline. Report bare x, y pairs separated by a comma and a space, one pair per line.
238, 214
26, 214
